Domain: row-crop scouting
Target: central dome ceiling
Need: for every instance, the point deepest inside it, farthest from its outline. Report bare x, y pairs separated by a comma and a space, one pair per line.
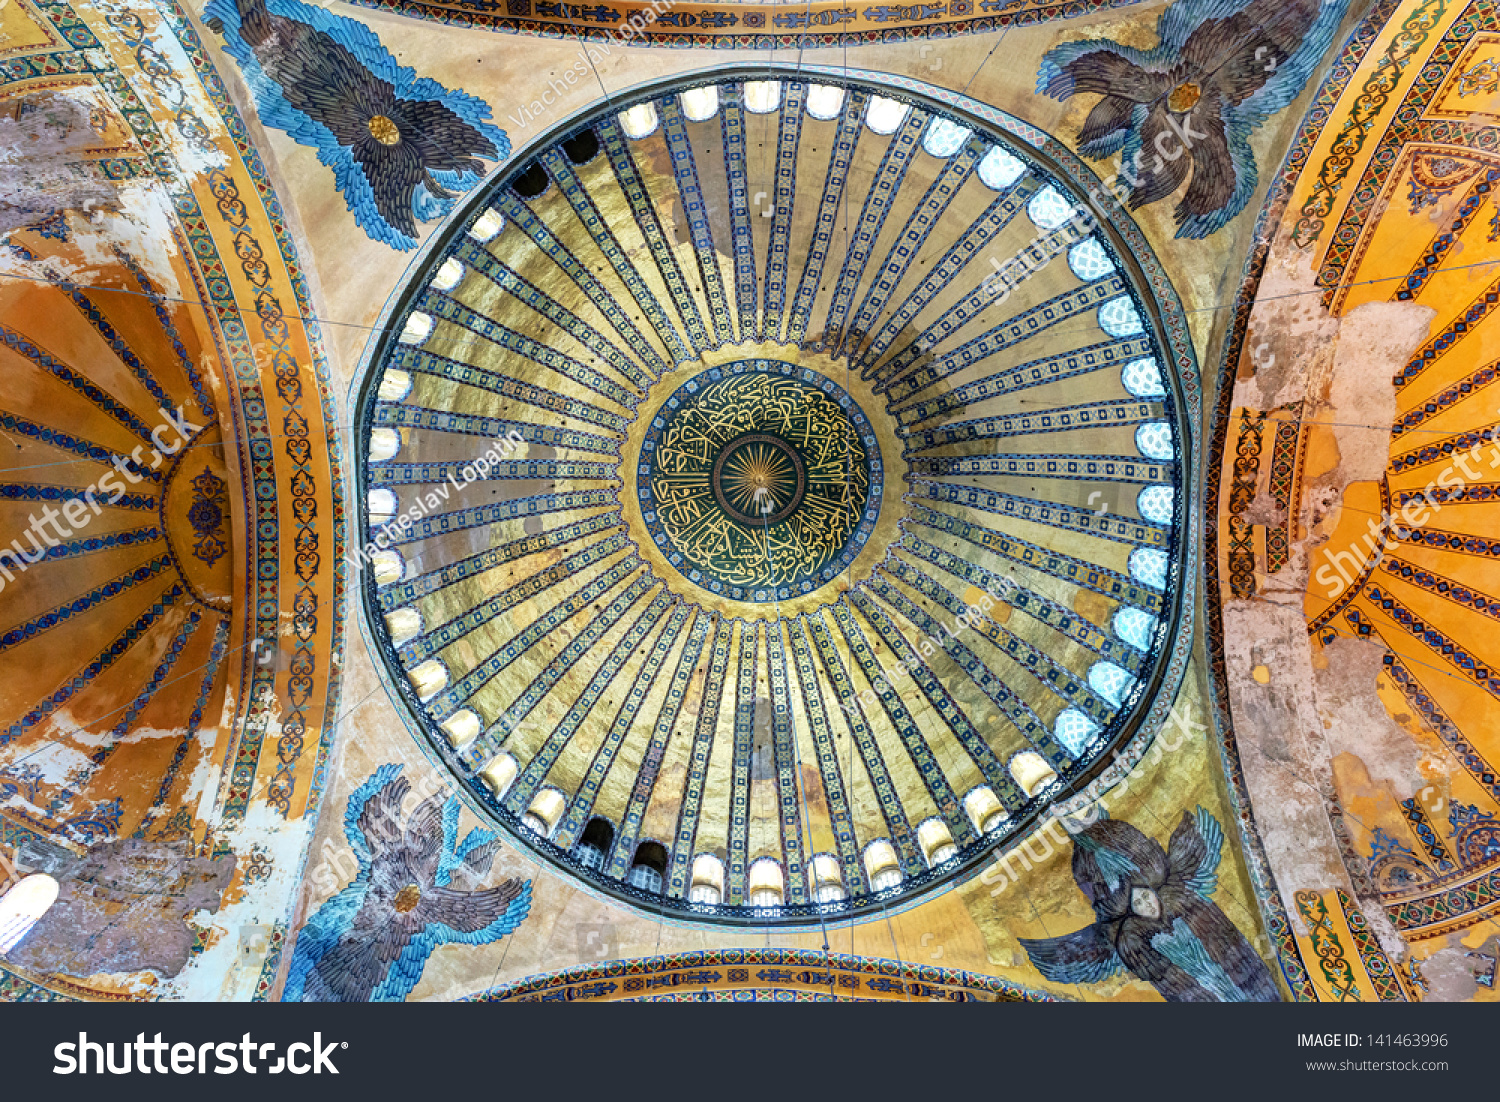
775, 494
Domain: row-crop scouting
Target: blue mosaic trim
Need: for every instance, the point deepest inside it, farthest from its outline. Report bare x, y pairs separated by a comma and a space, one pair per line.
1446, 588
784, 761
526, 292
850, 706
445, 635
598, 228
169, 327
643, 208
62, 613
588, 791
977, 237
420, 474
1054, 677
144, 697
31, 491
106, 658
522, 216
440, 305
1463, 442
1049, 369
1460, 391
686, 833
75, 381
897, 158
195, 718
696, 209
481, 515
518, 799
594, 630
846, 136
1435, 718
1072, 468
956, 172
1452, 541
748, 657
75, 444
1091, 415
732, 129
458, 693
628, 833
837, 800
1416, 819
1058, 617
404, 416
404, 592
901, 721
1442, 243
1013, 331
1062, 517
128, 357
1086, 575
784, 192
71, 549
1451, 334
1481, 673
422, 362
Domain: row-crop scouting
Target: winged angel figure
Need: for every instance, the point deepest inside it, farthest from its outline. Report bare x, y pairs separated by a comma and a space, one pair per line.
370, 942
1155, 917
1187, 106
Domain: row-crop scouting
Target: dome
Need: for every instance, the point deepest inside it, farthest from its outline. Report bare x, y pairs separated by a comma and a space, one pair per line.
765, 527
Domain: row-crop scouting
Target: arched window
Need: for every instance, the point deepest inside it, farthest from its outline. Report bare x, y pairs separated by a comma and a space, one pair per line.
1155, 504
545, 811
762, 96
884, 115
582, 147
382, 505
1032, 771
404, 624
766, 883
1074, 728
1154, 440
649, 869
1119, 318
1110, 681
449, 274
1143, 378
824, 101
416, 329
708, 880
595, 842
532, 182
1048, 209
23, 905
395, 384
881, 865
944, 137
462, 727
985, 810
936, 842
1149, 567
998, 169
487, 225
699, 104
1089, 260
1135, 627
827, 879
429, 678
499, 774
385, 442
389, 567
638, 121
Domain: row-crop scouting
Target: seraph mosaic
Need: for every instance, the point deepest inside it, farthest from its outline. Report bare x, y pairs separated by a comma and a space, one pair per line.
402, 148
371, 941
1183, 112
1155, 917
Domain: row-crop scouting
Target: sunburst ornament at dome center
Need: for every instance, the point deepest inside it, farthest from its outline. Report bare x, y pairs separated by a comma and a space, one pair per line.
760, 480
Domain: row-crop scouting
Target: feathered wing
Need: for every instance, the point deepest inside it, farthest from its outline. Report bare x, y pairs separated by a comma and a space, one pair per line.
1080, 957
466, 913
406, 970
1193, 853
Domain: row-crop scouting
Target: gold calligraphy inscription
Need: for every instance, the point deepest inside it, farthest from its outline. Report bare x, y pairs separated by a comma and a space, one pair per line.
759, 480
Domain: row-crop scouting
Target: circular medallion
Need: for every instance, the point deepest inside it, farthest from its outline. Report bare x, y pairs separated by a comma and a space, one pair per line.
760, 480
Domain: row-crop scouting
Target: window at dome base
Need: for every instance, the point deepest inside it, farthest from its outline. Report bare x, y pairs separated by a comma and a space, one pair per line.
738, 573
